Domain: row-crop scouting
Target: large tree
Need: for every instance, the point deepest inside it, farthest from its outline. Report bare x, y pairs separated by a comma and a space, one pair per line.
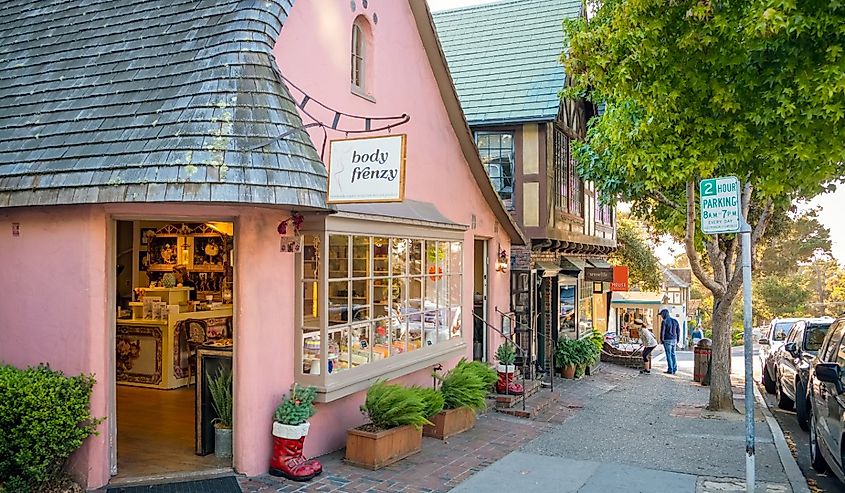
693, 89
637, 253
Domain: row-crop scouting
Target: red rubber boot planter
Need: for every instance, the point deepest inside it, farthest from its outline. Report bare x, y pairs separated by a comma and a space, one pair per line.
505, 384
287, 460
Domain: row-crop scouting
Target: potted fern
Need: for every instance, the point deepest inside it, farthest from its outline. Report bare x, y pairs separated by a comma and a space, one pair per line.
220, 387
566, 357
290, 427
506, 356
463, 393
394, 432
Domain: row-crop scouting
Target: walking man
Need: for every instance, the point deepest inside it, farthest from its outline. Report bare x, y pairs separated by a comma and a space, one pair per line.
669, 332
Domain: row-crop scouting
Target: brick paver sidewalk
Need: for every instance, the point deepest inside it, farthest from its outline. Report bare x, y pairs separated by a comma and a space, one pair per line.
441, 465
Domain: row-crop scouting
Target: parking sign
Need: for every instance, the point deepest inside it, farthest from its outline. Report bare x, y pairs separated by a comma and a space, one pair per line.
721, 205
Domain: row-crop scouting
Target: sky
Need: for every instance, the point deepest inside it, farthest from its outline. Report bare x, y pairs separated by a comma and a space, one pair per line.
832, 204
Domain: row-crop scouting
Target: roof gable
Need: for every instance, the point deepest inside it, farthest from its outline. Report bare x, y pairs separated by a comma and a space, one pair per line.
504, 58
149, 101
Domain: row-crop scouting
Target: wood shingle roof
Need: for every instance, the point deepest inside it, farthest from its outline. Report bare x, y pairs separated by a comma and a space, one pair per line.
149, 101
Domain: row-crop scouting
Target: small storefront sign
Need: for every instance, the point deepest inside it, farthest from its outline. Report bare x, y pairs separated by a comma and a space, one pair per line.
291, 244
720, 205
620, 278
598, 274
367, 170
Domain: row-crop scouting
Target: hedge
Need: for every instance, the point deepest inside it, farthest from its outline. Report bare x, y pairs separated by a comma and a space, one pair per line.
44, 417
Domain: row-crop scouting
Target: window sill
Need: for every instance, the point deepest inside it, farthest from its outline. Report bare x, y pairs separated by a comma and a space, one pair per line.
568, 215
361, 94
361, 378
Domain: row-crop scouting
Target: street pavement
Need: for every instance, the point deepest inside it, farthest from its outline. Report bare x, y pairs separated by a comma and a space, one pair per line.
646, 433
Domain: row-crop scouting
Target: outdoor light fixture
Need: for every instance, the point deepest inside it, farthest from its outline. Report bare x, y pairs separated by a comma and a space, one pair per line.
502, 262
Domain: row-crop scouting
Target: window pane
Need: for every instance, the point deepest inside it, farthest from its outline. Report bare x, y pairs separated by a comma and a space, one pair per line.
360, 300
398, 341
399, 256
380, 247
338, 350
415, 294
311, 352
310, 304
381, 297
443, 248
338, 302
361, 335
338, 256
398, 288
456, 259
360, 256
311, 257
415, 260
455, 327
381, 345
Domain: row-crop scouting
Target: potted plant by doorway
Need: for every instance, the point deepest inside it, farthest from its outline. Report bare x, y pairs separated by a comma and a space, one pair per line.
566, 357
394, 432
463, 393
290, 427
220, 387
506, 356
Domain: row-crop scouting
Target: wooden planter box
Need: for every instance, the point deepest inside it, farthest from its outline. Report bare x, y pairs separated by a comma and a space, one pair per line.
376, 450
450, 422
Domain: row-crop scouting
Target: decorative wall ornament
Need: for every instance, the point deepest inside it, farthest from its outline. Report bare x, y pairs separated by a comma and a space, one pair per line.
502, 261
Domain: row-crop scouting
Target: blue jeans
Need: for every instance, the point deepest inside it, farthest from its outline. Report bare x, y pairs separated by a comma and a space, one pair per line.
671, 362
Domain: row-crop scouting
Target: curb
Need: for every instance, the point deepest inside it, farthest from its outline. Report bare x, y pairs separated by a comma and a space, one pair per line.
793, 473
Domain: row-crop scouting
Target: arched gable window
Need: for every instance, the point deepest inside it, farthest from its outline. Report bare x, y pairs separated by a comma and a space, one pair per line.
361, 54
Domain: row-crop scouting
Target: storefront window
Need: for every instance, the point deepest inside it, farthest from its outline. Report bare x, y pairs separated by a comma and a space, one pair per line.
385, 297
567, 311
585, 309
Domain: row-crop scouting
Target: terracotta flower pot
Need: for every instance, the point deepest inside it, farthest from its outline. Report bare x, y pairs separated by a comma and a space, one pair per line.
568, 371
374, 450
450, 422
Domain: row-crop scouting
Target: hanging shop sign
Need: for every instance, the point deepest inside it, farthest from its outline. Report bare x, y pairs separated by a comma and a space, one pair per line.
720, 205
597, 274
620, 278
367, 170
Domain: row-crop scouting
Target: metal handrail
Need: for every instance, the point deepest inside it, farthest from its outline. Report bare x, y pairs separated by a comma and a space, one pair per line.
521, 351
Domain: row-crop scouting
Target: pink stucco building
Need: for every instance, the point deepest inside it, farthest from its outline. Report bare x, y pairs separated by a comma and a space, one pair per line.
153, 134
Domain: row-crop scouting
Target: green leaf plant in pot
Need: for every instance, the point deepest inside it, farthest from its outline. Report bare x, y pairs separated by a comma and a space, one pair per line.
463, 392
397, 415
566, 357
290, 427
584, 355
506, 356
220, 387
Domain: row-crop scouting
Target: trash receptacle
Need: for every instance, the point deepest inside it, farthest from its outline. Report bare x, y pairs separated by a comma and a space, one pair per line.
701, 359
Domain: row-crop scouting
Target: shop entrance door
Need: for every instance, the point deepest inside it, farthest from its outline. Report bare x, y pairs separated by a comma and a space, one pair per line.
172, 340
479, 297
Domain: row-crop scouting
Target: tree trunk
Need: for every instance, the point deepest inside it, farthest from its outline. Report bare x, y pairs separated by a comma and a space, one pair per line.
721, 394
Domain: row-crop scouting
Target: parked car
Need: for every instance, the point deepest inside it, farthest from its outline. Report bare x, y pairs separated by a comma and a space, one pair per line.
827, 403
792, 364
770, 342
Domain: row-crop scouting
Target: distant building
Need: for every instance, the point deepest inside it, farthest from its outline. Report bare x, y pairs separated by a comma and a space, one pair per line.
675, 287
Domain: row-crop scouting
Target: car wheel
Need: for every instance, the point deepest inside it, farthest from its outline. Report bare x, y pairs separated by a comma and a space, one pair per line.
768, 383
801, 406
784, 402
816, 458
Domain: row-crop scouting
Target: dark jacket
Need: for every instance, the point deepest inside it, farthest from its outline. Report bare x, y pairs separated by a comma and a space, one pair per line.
669, 329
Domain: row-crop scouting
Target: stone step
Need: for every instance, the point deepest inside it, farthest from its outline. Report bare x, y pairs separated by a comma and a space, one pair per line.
534, 406
507, 400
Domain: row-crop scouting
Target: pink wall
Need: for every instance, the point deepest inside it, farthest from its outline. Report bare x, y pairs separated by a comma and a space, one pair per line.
53, 307
313, 52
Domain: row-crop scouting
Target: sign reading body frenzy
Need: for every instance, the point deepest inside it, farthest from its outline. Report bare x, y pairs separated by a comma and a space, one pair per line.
720, 205
367, 170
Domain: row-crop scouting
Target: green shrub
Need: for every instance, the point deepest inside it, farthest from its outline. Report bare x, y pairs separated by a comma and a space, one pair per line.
44, 417
506, 354
297, 408
220, 387
566, 352
585, 352
466, 385
597, 339
390, 405
432, 400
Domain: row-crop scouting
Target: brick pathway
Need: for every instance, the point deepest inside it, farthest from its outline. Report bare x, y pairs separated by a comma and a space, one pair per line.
441, 465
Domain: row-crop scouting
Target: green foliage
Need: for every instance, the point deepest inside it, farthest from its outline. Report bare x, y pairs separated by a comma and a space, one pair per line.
636, 252
432, 400
220, 387
506, 353
795, 239
597, 338
391, 405
467, 384
44, 417
298, 408
566, 352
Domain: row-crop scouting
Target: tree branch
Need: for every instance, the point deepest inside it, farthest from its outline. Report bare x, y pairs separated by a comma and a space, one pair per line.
689, 243
662, 198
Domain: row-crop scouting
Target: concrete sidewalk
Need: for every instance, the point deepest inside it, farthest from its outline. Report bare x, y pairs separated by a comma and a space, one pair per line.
637, 433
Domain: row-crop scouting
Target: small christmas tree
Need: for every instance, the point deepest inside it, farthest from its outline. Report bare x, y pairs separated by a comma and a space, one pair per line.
297, 408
